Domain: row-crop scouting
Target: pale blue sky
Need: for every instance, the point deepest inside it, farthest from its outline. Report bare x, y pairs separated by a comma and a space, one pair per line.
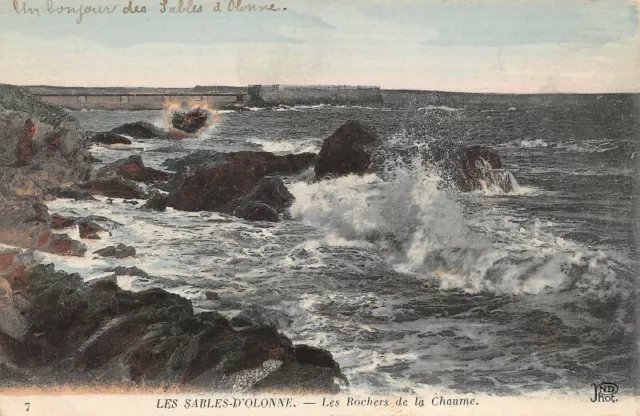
503, 46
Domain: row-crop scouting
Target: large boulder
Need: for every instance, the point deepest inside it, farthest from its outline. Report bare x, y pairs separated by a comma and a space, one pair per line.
348, 150
85, 331
222, 187
41, 146
272, 163
114, 187
25, 222
133, 169
268, 198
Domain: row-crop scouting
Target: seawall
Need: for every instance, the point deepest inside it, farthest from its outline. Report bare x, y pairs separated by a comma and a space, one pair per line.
140, 102
215, 97
268, 95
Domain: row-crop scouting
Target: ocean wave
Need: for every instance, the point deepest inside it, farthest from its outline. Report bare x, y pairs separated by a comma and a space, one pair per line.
588, 147
421, 229
439, 108
528, 144
288, 146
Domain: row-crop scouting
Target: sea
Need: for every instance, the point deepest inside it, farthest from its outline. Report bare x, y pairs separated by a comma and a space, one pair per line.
408, 282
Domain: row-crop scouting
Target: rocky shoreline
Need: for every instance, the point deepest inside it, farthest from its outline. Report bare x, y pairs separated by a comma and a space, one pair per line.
56, 328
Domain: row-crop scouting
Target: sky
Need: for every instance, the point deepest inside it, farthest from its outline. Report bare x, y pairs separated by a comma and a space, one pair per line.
504, 46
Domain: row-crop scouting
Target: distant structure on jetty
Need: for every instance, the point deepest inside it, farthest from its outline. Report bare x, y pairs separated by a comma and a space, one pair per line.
217, 97
270, 95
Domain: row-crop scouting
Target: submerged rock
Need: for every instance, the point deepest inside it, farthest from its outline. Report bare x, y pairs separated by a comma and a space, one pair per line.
346, 151
120, 251
139, 130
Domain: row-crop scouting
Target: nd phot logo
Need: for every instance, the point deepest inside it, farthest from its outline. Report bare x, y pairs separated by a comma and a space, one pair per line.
604, 392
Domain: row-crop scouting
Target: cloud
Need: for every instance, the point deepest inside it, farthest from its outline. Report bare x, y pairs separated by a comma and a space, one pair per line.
515, 23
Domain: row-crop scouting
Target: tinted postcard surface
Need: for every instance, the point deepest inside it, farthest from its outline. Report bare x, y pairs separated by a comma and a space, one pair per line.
290, 207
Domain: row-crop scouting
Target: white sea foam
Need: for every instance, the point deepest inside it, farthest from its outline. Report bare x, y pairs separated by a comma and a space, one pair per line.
528, 144
422, 230
289, 146
439, 108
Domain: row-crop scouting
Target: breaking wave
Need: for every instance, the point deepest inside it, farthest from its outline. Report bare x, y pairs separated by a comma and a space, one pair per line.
440, 235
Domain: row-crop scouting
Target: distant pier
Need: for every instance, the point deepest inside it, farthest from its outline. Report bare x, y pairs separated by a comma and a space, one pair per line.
141, 98
215, 97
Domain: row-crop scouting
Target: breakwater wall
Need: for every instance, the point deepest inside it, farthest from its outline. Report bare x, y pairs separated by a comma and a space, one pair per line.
142, 102
269, 95
214, 97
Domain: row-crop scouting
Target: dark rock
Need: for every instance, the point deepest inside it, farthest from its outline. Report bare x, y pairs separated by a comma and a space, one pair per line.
271, 191
114, 188
104, 284
346, 151
58, 222
120, 251
306, 354
478, 166
221, 187
268, 198
133, 169
191, 121
110, 138
157, 202
270, 163
110, 224
96, 330
139, 130
89, 229
75, 193
130, 271
196, 161
241, 321
131, 202
306, 379
256, 211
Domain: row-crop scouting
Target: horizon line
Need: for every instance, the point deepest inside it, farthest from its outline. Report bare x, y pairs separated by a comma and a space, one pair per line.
420, 90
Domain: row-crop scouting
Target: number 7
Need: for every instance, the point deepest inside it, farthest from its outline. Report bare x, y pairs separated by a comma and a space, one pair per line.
28, 405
